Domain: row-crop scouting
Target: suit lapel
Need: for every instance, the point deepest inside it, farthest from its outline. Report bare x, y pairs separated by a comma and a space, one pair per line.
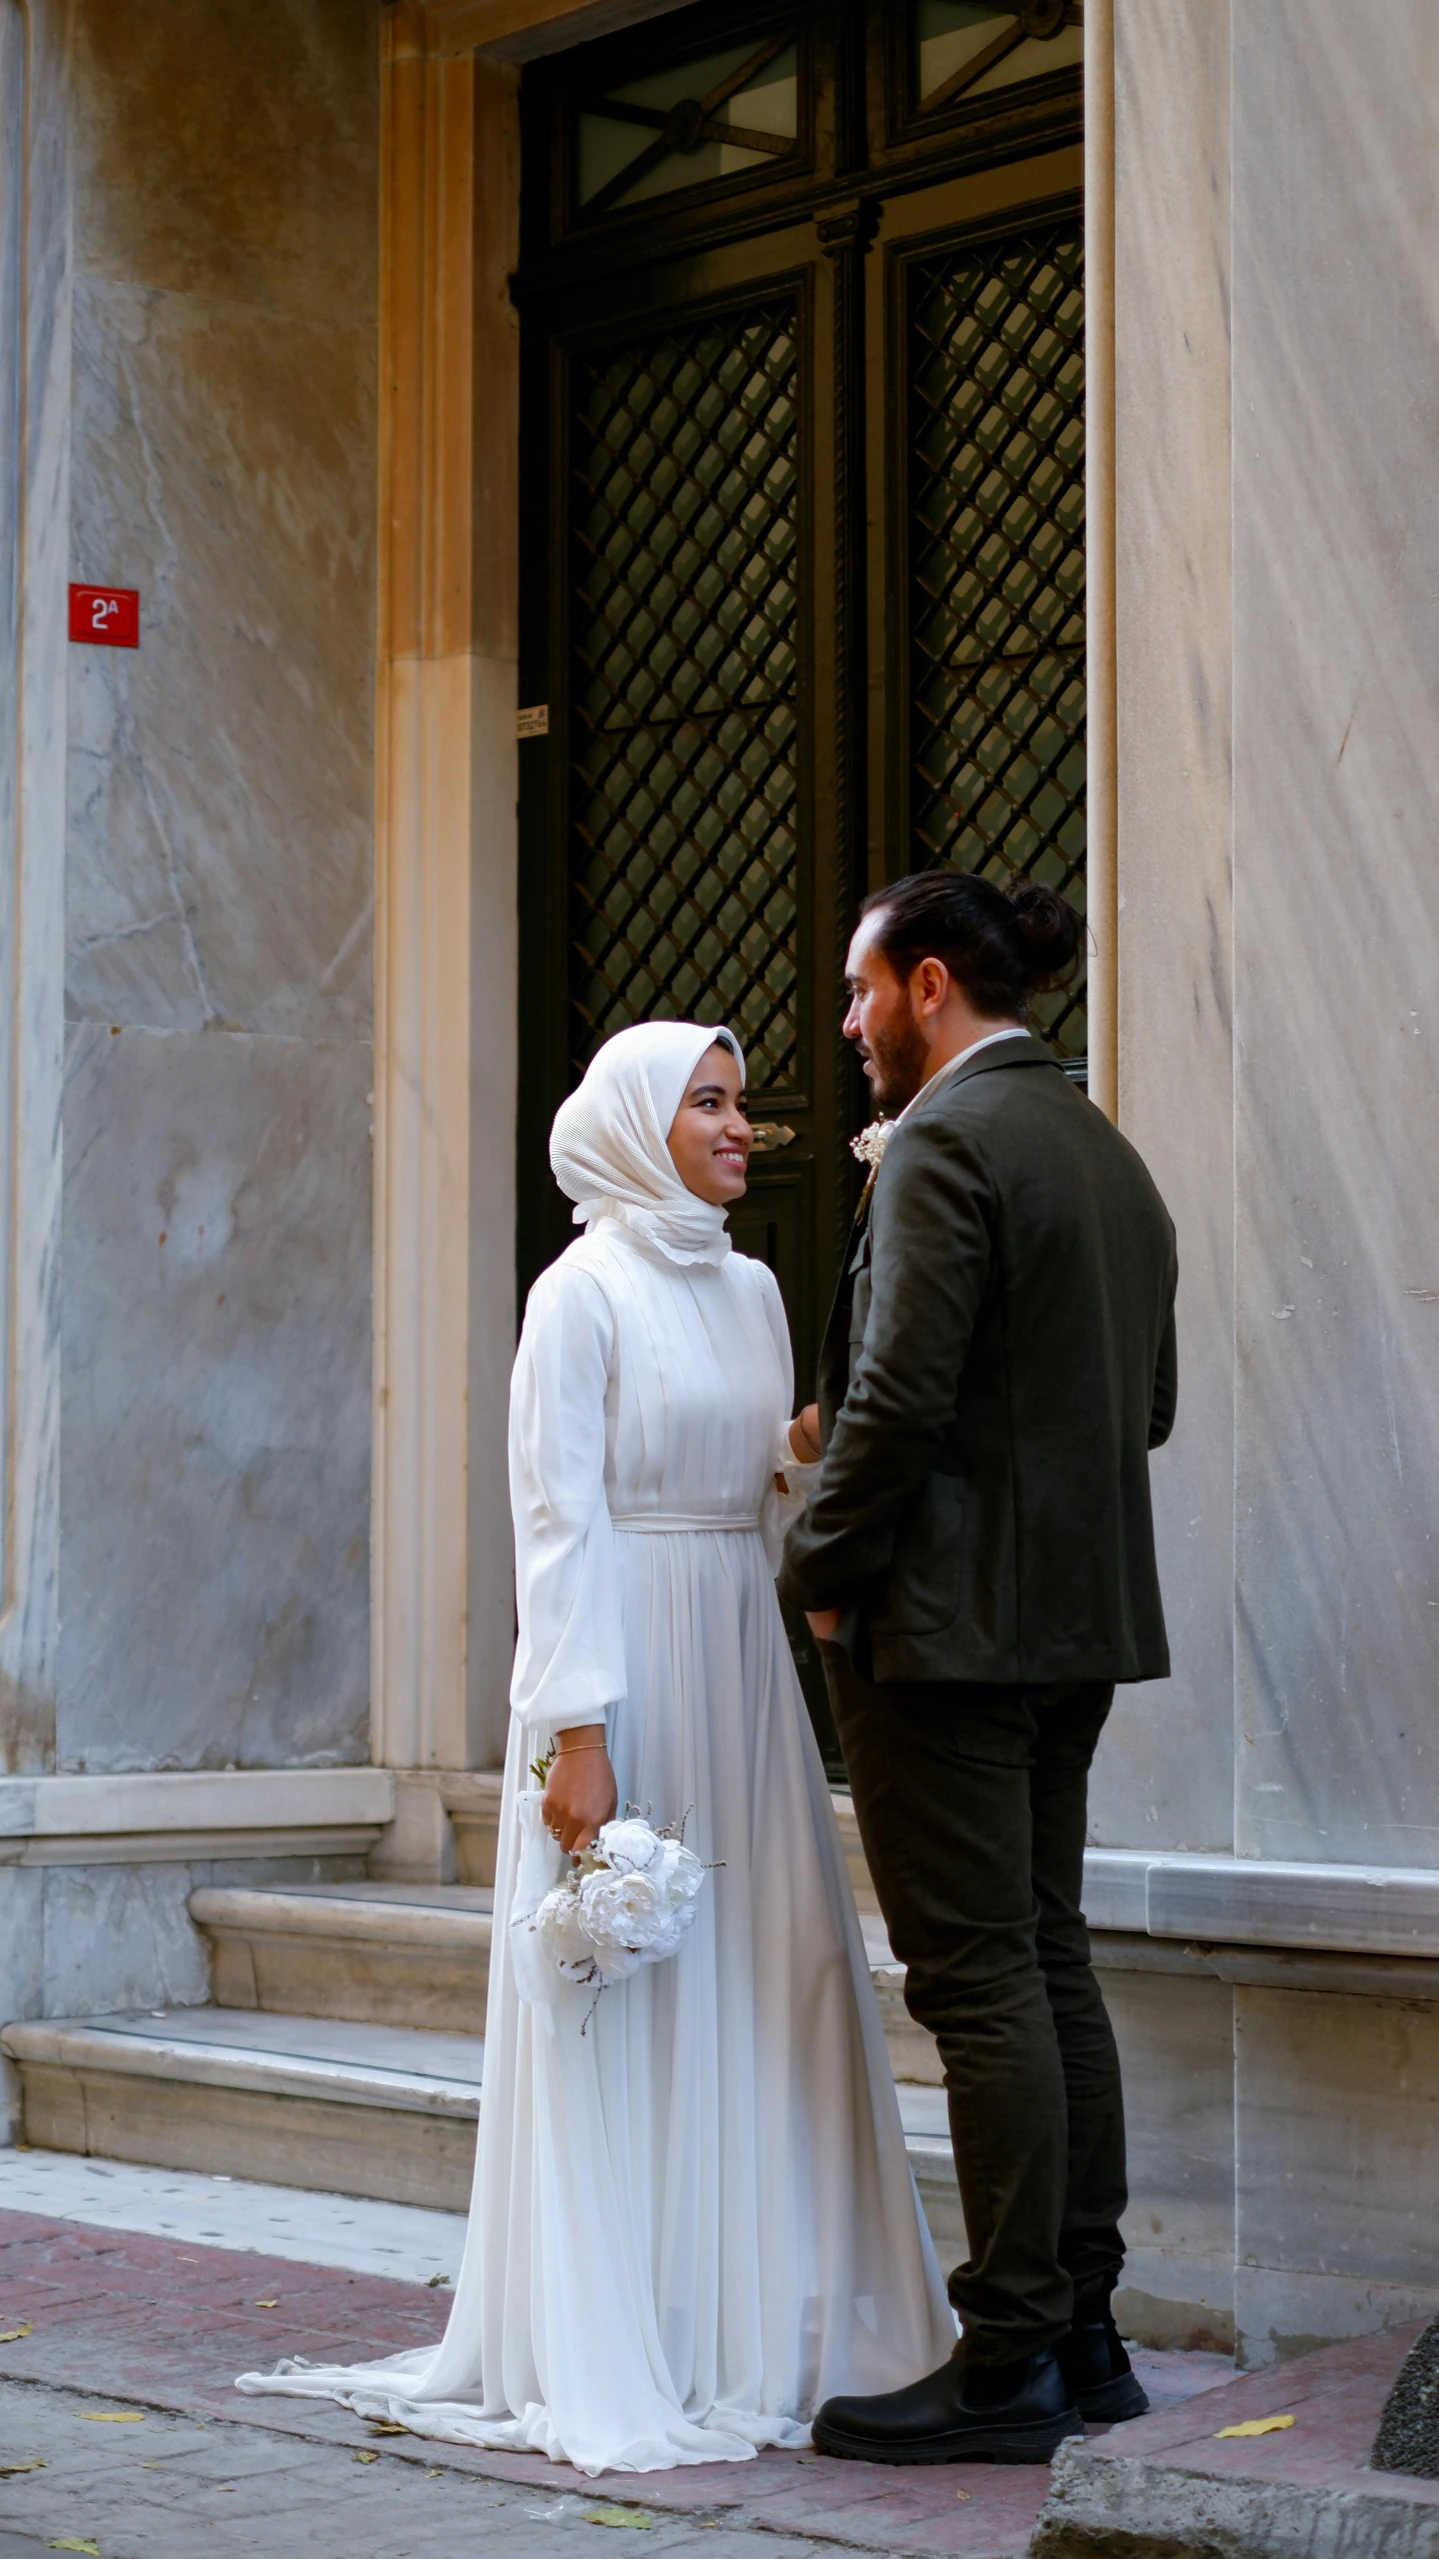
833, 1379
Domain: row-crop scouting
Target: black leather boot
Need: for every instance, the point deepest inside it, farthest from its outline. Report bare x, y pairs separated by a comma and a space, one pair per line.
1012, 2412
1097, 2369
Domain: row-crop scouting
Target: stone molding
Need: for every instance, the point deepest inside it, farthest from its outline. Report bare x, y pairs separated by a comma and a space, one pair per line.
81, 1811
1261, 1901
1183, 1904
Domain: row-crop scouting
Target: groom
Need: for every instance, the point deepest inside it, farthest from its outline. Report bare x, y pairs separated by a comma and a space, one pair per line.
978, 1562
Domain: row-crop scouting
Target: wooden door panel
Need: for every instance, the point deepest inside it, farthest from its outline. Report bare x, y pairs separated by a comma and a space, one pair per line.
687, 664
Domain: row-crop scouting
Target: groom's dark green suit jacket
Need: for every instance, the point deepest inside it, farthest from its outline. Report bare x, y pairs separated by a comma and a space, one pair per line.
998, 1363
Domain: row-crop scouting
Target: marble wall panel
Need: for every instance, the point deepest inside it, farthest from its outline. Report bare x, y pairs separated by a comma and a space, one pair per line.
1164, 1777
1336, 684
215, 1449
221, 776
230, 150
219, 851
1176, 2049
14, 102
119, 1937
1337, 2171
22, 1950
221, 785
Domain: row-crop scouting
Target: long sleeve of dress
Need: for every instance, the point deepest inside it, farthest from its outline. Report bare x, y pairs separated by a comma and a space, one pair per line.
569, 1660
780, 1509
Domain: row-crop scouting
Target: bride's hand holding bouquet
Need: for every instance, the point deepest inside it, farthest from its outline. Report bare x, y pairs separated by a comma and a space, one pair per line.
580, 1790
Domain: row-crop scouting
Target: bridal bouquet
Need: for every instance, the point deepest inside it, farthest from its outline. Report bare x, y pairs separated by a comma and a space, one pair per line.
627, 1900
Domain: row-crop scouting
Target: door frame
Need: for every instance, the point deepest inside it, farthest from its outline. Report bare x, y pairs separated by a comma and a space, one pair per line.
447, 850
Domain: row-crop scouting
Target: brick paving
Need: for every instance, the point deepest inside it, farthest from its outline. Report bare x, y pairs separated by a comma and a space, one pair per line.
1334, 2396
163, 2326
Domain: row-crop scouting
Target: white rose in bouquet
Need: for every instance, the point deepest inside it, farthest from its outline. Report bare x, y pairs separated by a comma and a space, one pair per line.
630, 1845
622, 1917
559, 1926
677, 1872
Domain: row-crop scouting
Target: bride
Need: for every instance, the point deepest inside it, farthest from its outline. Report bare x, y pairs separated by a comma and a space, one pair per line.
693, 2217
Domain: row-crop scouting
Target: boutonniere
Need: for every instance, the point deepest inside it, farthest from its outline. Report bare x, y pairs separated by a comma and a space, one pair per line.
869, 1148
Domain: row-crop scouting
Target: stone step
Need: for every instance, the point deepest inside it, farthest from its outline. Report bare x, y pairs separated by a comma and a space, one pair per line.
339, 2106
387, 2111
403, 1955
418, 1955
865, 1900
913, 2053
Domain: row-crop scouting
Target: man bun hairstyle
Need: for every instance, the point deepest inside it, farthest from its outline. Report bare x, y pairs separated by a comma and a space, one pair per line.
1001, 946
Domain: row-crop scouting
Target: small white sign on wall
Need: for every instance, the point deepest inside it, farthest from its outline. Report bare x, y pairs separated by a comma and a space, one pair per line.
533, 723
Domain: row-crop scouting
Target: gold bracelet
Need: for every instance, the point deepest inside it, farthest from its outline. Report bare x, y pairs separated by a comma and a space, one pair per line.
578, 1747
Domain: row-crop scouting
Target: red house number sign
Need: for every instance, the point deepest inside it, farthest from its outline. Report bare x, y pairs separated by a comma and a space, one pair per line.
109, 614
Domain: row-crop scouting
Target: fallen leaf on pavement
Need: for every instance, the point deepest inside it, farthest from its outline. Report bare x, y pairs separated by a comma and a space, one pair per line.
367, 2456
386, 2426
963, 2495
267, 2305
112, 2417
10, 2336
1256, 2426
436, 2279
92, 2546
619, 2516
13, 2469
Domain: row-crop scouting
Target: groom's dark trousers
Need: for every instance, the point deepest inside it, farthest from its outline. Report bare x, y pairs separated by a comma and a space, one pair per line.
997, 1366
971, 1807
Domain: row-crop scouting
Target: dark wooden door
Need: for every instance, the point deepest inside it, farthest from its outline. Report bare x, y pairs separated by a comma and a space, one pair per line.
802, 556
675, 811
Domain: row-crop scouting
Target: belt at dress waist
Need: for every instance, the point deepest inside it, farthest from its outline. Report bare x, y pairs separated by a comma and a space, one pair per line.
657, 1522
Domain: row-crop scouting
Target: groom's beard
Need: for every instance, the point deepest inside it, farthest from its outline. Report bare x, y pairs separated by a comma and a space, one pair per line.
899, 1055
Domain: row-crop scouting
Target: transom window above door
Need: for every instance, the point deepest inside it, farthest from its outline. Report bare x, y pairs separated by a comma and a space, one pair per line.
963, 49
721, 116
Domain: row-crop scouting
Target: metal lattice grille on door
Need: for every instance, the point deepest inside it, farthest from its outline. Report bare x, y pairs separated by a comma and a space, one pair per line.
996, 569
683, 723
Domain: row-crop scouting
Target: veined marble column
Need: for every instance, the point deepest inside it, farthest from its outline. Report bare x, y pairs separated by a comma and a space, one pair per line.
35, 311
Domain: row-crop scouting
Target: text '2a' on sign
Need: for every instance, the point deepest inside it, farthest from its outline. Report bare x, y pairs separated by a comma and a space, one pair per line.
109, 614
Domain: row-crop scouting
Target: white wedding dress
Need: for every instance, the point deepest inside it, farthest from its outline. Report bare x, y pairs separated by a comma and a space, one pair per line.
693, 2215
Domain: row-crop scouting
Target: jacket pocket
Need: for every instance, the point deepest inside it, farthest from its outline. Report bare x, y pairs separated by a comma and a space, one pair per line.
922, 1586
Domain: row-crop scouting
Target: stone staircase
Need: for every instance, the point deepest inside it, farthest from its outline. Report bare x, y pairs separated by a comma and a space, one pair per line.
343, 2049
375, 1954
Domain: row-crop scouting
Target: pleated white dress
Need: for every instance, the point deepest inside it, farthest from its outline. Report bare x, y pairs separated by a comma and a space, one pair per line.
694, 2219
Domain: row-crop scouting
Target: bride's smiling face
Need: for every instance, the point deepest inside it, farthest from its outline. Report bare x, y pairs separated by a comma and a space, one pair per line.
710, 1138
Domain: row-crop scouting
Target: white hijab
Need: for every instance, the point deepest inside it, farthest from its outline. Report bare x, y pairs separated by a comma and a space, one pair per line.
609, 1147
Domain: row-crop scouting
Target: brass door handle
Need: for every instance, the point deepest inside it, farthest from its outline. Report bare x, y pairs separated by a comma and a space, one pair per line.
768, 1135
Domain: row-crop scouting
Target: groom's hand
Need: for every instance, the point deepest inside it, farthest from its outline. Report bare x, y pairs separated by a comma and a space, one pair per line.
822, 1623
